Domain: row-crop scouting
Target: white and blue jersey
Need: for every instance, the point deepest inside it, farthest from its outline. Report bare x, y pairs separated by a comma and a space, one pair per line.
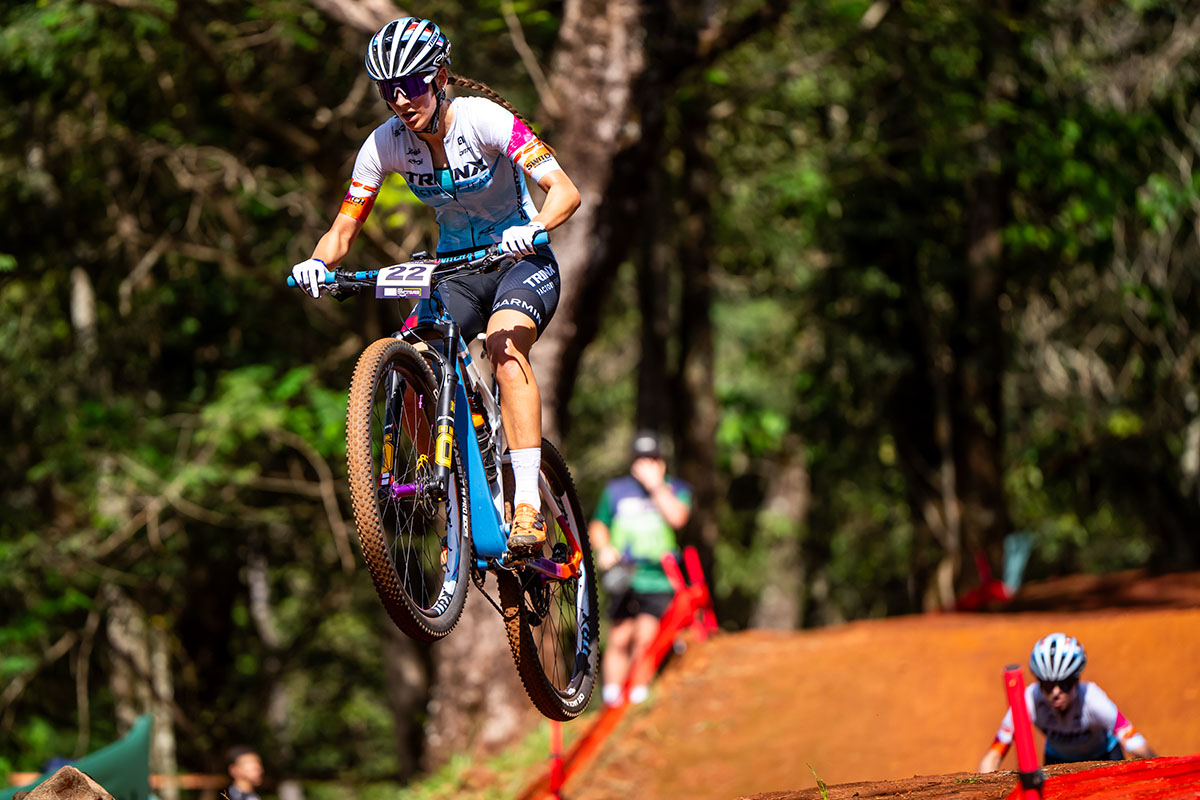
481, 192
1087, 730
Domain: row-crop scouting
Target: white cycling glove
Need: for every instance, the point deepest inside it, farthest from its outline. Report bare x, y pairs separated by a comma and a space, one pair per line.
310, 276
519, 239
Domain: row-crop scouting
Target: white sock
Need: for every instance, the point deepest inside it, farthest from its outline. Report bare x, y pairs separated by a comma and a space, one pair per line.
526, 463
638, 694
611, 694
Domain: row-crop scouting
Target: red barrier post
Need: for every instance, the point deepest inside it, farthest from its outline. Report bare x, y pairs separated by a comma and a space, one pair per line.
686, 608
706, 618
557, 776
1031, 776
674, 575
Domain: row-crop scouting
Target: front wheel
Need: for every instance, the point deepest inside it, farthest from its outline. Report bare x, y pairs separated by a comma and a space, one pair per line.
552, 624
415, 541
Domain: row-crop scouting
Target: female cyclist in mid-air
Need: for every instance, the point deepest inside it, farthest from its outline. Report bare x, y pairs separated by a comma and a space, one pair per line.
465, 157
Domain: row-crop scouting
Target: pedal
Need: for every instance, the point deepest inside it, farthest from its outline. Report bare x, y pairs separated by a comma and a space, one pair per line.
519, 557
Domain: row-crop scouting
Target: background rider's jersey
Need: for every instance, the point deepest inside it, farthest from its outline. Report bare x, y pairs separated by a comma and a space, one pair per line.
481, 193
1086, 731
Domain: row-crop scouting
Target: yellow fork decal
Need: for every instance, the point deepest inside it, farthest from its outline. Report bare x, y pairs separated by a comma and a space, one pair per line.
441, 448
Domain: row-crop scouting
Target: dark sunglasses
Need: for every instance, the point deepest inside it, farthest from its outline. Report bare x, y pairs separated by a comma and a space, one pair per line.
1066, 685
411, 86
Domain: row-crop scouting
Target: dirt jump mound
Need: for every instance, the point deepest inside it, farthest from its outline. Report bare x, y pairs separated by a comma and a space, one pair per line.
864, 708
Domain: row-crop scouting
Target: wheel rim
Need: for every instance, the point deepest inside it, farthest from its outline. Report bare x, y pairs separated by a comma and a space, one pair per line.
557, 611
414, 525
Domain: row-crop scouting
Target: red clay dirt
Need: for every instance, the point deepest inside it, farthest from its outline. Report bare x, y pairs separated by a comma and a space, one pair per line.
901, 707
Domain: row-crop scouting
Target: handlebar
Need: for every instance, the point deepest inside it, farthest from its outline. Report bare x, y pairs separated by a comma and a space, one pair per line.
482, 260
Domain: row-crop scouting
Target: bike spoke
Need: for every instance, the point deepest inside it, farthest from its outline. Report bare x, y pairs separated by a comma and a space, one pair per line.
414, 535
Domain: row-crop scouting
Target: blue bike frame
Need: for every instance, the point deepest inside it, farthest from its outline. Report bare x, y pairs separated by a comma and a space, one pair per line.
488, 531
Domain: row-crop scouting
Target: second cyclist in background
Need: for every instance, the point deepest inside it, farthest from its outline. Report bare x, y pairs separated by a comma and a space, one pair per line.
633, 528
467, 158
1078, 719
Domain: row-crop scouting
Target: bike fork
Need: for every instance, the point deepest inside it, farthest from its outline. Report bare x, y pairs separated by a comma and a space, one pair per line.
443, 425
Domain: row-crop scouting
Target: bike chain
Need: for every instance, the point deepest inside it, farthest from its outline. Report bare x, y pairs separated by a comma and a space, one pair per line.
478, 577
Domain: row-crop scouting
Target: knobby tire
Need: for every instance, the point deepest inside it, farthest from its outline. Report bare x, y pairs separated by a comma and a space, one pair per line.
558, 682
400, 587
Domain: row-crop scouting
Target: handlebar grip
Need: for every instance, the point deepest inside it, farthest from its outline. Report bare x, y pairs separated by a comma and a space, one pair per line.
330, 277
541, 237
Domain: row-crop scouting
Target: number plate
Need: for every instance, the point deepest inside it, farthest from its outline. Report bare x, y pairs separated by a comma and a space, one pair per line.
405, 280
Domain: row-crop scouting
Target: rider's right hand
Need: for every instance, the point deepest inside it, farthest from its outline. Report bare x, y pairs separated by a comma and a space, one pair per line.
310, 276
607, 557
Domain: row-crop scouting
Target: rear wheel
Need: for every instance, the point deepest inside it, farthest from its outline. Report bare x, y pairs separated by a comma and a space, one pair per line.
415, 543
552, 624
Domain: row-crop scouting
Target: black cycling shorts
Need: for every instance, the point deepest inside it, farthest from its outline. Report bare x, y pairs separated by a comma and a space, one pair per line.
1115, 754
530, 286
629, 604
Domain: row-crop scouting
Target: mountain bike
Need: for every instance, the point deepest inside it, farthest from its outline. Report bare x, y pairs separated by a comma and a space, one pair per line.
431, 488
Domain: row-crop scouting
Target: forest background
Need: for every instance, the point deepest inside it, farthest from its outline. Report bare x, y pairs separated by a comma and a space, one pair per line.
896, 279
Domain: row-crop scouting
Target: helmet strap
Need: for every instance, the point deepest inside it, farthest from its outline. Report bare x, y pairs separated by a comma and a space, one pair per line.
432, 127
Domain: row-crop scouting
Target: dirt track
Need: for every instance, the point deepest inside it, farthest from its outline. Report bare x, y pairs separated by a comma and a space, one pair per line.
886, 700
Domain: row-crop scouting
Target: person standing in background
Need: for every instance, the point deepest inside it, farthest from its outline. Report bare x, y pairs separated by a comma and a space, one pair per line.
633, 528
246, 769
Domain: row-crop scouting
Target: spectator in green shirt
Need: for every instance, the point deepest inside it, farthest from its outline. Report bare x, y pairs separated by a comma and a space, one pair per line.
633, 528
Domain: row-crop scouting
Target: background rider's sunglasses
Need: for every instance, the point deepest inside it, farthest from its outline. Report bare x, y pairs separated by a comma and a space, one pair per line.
1066, 686
411, 86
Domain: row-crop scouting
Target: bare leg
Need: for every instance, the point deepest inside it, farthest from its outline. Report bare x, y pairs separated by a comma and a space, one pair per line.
616, 655
510, 334
645, 629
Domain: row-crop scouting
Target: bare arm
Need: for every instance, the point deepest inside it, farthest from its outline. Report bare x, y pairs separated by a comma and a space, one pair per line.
607, 556
562, 199
337, 241
651, 474
1140, 750
674, 510
990, 761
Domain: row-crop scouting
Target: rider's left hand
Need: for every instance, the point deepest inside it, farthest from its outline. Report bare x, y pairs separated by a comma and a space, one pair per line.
518, 240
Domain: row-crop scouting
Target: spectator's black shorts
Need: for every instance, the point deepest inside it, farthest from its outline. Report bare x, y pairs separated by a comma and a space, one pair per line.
629, 605
530, 286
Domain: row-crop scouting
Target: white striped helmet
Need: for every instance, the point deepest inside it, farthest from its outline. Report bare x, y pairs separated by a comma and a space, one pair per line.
406, 46
1057, 657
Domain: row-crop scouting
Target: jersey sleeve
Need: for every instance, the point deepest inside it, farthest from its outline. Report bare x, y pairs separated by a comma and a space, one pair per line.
365, 181
1004, 736
1106, 711
604, 508
502, 130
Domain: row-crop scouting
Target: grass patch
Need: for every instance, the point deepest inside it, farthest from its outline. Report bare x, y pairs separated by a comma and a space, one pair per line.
820, 783
463, 778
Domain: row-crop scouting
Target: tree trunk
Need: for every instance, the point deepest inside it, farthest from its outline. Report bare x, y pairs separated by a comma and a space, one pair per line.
780, 523
696, 400
407, 677
478, 705
979, 338
599, 57
618, 62
141, 678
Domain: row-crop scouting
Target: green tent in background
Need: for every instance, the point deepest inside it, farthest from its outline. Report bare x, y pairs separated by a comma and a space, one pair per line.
123, 767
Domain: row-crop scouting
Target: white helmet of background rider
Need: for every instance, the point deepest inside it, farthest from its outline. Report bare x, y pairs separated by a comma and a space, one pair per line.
1057, 657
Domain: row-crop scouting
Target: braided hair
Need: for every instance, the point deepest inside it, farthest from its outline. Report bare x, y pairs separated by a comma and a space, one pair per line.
491, 94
